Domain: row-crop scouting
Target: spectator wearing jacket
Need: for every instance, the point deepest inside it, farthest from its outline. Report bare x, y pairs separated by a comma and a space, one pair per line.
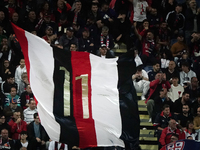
17, 125
26, 96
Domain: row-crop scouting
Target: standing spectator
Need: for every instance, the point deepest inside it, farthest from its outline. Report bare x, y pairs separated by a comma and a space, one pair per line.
49, 36
184, 100
176, 90
37, 134
152, 73
167, 133
31, 22
67, 39
6, 143
26, 96
197, 123
190, 132
28, 112
141, 82
186, 74
17, 125
19, 71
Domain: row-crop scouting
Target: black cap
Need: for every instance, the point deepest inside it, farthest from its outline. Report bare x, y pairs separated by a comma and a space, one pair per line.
103, 45
49, 27
70, 29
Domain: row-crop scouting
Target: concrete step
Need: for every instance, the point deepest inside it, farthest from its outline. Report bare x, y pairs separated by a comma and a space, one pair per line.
149, 147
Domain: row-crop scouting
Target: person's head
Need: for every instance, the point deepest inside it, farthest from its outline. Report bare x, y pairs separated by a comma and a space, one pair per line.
2, 119
192, 4
190, 125
194, 82
22, 63
10, 79
104, 7
186, 96
185, 109
166, 110
13, 91
172, 65
156, 66
32, 104
23, 135
175, 80
180, 37
4, 134
139, 69
28, 88
11, 3
123, 14
163, 93
105, 30
15, 17
16, 115
158, 76
60, 4
4, 41
178, 8
174, 137
150, 35
85, 33
63, 19
47, 17
172, 124
70, 32
198, 111
49, 31
6, 63
78, 5
36, 118
32, 15
185, 66
73, 47
94, 8
163, 25
2, 15
145, 23
103, 50
45, 6
13, 103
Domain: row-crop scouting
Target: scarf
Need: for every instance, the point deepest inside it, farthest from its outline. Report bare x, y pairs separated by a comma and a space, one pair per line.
107, 40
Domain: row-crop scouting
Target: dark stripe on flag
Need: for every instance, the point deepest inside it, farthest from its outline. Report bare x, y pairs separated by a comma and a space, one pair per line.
69, 133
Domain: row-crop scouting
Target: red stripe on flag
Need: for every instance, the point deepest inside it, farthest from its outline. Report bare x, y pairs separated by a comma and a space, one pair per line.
20, 34
81, 66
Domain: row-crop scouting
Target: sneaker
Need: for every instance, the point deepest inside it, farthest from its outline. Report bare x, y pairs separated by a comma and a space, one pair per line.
143, 98
150, 120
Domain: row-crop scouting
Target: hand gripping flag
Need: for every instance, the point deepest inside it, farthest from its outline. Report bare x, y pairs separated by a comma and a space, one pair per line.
78, 98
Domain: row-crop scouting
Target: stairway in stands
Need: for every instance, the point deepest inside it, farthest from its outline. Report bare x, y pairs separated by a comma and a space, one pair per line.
147, 139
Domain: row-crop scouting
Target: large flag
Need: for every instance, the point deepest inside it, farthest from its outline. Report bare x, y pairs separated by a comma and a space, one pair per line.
81, 99
182, 145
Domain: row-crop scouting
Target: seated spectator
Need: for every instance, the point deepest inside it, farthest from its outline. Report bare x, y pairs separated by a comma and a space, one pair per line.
195, 105
167, 132
105, 38
104, 52
155, 87
190, 132
26, 96
162, 119
23, 83
152, 73
141, 82
186, 74
193, 89
176, 90
165, 59
28, 112
185, 116
171, 71
8, 111
62, 25
12, 98
6, 143
73, 47
23, 142
17, 125
197, 123
49, 37
184, 58
85, 42
6, 85
19, 70
56, 145
178, 47
184, 100
6, 69
154, 19
67, 39
162, 100
31, 21
37, 134
121, 31
3, 123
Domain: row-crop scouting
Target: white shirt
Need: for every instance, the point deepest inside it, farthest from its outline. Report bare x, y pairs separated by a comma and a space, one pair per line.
28, 115
139, 10
184, 76
18, 74
175, 92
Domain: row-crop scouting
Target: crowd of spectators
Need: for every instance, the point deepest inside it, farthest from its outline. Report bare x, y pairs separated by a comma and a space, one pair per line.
164, 34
